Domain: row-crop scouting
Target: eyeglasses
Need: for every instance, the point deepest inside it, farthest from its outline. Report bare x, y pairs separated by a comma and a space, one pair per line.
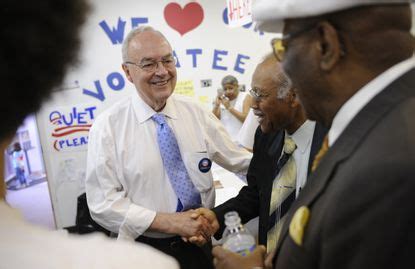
277, 43
254, 92
152, 65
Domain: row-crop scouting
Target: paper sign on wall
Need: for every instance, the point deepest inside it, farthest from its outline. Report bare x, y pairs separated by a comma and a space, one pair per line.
239, 12
185, 87
69, 127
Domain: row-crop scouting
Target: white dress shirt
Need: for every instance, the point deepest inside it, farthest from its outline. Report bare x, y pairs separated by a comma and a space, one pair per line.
246, 135
303, 138
126, 182
25, 246
361, 98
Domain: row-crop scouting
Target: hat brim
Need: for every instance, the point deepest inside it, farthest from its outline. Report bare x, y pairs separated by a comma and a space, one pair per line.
270, 26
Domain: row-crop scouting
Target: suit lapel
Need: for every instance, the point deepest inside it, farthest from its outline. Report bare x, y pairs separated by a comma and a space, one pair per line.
319, 133
352, 136
275, 150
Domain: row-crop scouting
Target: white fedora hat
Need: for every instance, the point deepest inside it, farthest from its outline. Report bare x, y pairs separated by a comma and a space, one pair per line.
270, 14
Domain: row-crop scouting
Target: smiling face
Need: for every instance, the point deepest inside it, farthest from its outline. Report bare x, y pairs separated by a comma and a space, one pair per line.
156, 86
274, 108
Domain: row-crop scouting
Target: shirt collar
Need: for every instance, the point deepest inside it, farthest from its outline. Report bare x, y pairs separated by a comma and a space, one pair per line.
144, 112
303, 136
352, 106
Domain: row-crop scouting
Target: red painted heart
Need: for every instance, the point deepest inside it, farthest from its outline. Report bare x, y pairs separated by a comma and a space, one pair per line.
183, 20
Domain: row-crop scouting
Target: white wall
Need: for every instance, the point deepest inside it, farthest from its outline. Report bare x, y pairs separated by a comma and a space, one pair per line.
88, 91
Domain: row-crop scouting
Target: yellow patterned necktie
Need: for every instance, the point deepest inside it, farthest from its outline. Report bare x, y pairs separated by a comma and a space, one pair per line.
283, 193
323, 150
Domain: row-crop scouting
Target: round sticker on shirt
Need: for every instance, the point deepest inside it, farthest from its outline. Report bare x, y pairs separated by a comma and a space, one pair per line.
204, 165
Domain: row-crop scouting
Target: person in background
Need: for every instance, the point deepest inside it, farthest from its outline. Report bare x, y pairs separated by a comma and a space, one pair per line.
231, 106
18, 164
353, 65
282, 124
43, 38
150, 157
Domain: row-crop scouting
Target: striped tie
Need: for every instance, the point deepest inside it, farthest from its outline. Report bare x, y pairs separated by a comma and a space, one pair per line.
323, 150
283, 193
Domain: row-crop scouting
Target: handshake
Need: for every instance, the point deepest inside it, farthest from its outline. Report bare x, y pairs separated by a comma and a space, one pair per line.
196, 226
201, 224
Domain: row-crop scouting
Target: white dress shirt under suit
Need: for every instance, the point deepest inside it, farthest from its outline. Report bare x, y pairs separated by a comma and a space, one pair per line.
126, 182
303, 138
356, 103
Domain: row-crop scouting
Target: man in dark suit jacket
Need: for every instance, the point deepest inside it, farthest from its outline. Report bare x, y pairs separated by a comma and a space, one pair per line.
254, 199
279, 111
358, 209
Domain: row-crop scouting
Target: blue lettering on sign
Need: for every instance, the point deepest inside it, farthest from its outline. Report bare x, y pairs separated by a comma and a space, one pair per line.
135, 22
99, 94
116, 34
239, 62
83, 140
72, 142
194, 53
81, 118
116, 81
69, 129
66, 121
177, 58
217, 58
74, 117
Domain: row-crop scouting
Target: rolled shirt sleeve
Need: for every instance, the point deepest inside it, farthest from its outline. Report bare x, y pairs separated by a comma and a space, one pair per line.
223, 150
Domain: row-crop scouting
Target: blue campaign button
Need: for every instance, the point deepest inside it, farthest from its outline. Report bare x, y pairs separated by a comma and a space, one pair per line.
204, 165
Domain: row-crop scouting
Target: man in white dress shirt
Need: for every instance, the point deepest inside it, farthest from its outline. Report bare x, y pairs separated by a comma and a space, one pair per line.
130, 188
44, 43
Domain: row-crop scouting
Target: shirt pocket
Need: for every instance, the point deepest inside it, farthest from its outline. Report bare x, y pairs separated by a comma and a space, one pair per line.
198, 165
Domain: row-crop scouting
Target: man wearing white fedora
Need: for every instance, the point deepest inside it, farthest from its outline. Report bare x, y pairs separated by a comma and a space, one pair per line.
353, 66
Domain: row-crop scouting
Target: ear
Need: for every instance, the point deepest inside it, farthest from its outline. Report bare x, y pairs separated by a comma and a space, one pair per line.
330, 46
127, 72
293, 97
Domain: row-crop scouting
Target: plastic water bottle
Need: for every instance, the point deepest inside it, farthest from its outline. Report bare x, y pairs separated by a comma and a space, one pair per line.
236, 237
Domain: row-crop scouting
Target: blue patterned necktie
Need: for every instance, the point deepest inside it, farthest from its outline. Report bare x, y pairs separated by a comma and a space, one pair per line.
186, 192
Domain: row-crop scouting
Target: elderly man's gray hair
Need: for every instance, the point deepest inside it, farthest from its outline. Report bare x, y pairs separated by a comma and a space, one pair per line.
284, 86
133, 33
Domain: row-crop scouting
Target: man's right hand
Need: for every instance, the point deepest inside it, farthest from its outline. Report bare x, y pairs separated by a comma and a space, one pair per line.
212, 227
186, 224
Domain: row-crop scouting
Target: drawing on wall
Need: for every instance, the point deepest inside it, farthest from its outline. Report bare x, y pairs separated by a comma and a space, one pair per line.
183, 20
70, 127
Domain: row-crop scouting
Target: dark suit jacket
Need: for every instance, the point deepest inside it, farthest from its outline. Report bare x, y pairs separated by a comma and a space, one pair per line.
253, 200
362, 196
